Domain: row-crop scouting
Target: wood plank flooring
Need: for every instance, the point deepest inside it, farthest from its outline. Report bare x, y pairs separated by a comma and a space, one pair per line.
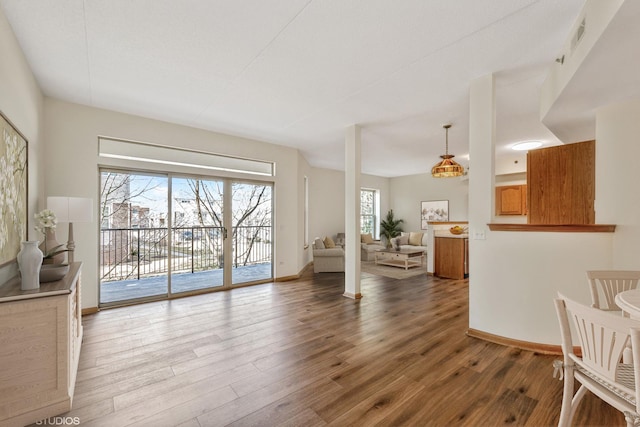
299, 354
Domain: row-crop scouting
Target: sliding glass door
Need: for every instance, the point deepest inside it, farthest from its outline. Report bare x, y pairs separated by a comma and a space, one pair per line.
197, 207
163, 235
134, 244
252, 232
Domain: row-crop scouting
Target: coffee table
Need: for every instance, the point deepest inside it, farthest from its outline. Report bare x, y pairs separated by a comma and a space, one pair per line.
404, 258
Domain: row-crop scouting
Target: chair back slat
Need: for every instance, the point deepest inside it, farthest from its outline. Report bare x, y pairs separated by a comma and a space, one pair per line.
610, 283
602, 339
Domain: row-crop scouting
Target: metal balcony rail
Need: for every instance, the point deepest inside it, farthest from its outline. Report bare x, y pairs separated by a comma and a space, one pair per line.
132, 253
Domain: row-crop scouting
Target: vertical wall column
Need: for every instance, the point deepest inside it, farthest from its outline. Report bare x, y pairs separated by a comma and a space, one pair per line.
352, 212
482, 124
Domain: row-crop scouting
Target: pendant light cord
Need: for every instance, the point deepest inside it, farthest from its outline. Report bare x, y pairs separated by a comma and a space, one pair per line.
446, 147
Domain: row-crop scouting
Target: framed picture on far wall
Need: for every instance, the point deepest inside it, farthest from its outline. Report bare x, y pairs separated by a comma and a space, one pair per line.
433, 211
13, 196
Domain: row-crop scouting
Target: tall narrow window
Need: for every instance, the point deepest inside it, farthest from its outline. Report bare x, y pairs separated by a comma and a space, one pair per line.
306, 211
368, 211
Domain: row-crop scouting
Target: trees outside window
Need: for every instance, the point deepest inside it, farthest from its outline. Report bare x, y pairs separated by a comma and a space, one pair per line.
368, 211
136, 211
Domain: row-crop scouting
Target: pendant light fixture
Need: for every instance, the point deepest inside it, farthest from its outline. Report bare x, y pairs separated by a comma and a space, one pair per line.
447, 168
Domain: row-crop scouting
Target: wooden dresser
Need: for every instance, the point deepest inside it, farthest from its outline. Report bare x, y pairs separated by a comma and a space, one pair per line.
40, 339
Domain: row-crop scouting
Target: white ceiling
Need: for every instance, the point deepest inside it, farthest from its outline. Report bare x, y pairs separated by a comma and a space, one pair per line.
298, 72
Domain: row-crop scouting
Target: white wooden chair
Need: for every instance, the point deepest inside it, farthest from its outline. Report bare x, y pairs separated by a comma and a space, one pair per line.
603, 337
610, 283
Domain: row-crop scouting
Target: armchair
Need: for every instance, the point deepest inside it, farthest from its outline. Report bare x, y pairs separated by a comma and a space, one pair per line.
368, 247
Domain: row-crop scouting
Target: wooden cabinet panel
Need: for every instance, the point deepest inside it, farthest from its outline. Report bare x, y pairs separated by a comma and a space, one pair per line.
562, 184
451, 257
511, 200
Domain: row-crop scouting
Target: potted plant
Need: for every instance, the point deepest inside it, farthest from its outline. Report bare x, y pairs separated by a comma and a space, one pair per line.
390, 227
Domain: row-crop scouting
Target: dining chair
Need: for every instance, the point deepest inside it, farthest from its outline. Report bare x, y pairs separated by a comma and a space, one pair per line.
609, 283
603, 337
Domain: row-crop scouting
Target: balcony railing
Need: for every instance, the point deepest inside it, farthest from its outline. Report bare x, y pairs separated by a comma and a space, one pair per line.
132, 253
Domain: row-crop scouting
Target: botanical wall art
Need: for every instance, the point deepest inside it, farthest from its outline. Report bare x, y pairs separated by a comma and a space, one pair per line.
13, 193
437, 210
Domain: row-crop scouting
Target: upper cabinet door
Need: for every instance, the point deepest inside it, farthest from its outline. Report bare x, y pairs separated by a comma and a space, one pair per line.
562, 184
511, 200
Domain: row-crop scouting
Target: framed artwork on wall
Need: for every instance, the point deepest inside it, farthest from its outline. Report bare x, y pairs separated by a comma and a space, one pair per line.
435, 210
13, 196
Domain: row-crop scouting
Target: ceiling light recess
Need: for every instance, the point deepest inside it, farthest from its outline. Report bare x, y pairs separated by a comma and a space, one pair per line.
526, 145
447, 168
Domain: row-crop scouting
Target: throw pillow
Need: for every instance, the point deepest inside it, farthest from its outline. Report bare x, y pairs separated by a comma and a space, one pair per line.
403, 240
328, 242
319, 244
366, 238
415, 239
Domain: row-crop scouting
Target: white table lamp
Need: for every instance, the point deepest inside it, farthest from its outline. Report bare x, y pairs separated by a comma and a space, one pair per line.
71, 209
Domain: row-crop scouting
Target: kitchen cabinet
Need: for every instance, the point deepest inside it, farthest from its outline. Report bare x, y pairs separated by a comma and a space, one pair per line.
561, 183
40, 336
511, 200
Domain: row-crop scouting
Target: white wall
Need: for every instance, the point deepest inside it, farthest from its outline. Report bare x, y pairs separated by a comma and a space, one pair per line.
516, 275
511, 163
326, 204
21, 102
617, 199
598, 15
407, 193
72, 169
511, 179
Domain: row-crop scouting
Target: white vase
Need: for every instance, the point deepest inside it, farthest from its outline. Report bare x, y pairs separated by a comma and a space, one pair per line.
29, 263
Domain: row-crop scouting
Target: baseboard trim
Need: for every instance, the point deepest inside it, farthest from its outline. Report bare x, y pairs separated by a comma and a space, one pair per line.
352, 296
294, 276
549, 349
90, 310
287, 278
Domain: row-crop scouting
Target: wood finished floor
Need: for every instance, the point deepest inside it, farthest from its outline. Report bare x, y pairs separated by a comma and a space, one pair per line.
299, 354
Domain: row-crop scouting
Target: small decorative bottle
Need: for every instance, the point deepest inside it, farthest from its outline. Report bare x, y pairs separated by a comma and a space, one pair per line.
29, 262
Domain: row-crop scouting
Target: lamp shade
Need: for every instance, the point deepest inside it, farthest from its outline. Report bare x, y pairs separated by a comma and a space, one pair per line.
447, 168
71, 209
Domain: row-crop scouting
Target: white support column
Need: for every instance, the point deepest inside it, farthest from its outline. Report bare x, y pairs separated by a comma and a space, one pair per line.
482, 124
482, 130
352, 213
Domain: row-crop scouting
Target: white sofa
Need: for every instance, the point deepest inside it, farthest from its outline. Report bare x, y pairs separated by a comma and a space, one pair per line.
327, 260
414, 240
